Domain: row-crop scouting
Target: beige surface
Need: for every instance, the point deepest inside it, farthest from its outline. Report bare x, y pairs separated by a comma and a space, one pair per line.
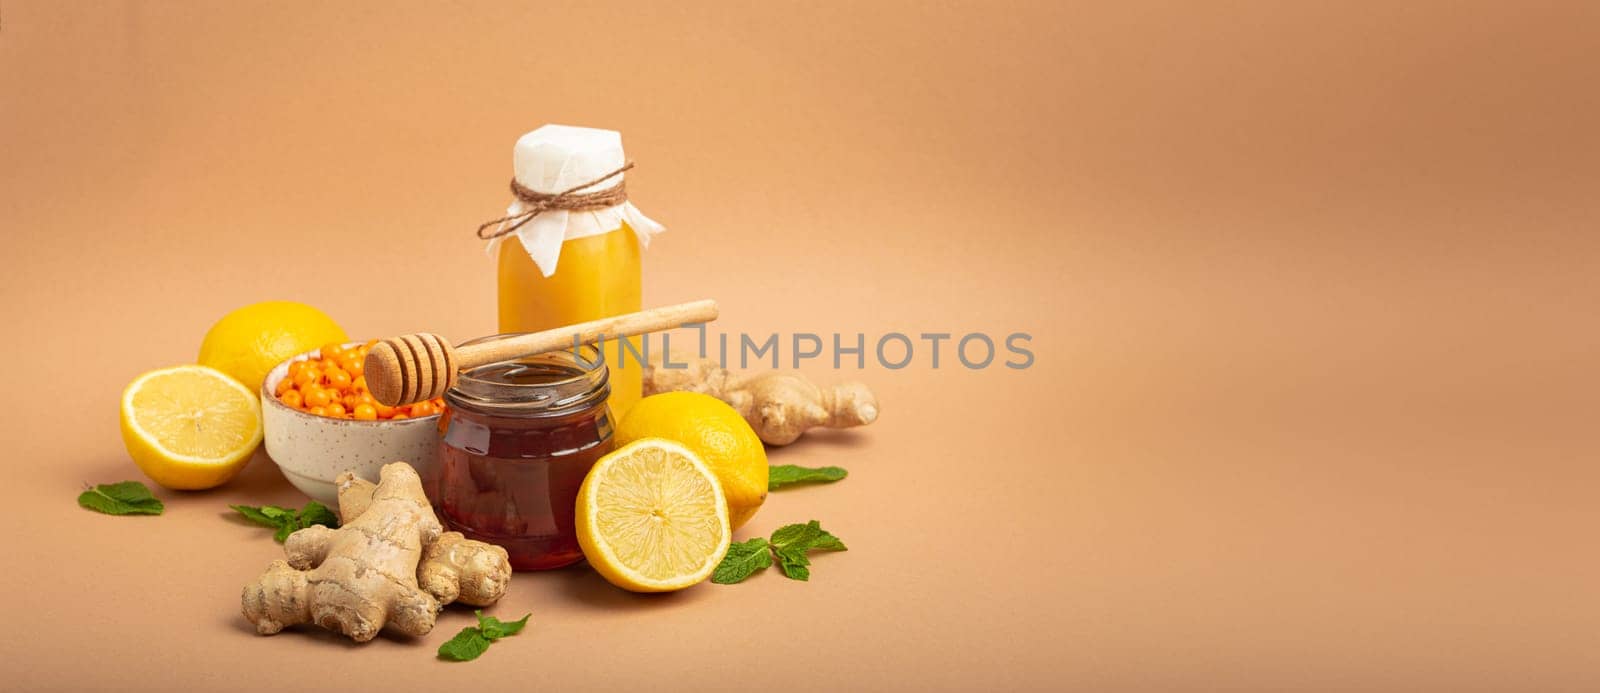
1312, 293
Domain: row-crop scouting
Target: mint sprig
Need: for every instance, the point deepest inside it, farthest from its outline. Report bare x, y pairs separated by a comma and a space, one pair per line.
791, 543
473, 641
465, 646
123, 498
494, 628
743, 559
788, 547
781, 475
287, 521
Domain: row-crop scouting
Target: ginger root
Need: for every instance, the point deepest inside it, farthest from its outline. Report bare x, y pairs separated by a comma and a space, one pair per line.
453, 567
364, 576
779, 405
457, 569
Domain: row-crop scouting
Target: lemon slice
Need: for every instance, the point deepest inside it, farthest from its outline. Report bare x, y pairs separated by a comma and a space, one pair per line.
652, 517
190, 427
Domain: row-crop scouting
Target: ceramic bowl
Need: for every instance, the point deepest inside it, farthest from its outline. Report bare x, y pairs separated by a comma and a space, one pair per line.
312, 450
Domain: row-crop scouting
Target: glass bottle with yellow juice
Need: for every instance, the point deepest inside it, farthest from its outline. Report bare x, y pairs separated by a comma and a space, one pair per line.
573, 258
598, 277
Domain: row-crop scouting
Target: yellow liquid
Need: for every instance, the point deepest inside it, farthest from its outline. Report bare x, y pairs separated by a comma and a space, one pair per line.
596, 277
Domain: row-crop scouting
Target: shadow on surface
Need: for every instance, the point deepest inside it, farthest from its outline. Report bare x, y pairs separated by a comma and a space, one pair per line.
239, 623
584, 585
821, 439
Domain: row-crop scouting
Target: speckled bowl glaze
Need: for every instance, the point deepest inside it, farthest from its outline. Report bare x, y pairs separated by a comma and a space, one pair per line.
312, 450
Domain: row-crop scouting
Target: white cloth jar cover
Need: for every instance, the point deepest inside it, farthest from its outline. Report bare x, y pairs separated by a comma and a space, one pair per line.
554, 158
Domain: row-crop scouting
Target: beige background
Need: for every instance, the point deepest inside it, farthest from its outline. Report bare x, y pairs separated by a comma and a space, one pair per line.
1312, 288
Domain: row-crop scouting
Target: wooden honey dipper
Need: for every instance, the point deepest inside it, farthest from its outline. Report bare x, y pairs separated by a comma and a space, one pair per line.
414, 367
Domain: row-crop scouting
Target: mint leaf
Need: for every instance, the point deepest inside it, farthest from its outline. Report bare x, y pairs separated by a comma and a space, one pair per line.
794, 564
465, 646
280, 519
743, 560
124, 498
805, 537
473, 641
781, 475
494, 629
796, 536
284, 530
256, 515
826, 542
791, 542
276, 513
317, 514
287, 521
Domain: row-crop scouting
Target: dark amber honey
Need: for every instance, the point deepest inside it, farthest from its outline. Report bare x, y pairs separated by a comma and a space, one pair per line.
517, 442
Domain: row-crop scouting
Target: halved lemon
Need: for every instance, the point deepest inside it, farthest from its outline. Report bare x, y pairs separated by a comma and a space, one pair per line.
652, 517
190, 427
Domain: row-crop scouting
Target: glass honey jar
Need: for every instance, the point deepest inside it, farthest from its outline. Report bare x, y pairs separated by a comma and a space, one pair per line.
515, 445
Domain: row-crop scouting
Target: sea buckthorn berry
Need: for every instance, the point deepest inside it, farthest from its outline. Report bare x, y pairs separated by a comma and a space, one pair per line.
335, 384
399, 415
423, 409
318, 397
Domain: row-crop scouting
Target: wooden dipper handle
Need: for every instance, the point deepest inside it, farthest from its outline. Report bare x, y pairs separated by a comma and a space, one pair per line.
415, 367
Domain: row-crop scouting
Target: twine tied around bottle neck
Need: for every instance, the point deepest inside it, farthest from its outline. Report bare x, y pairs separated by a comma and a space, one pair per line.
537, 203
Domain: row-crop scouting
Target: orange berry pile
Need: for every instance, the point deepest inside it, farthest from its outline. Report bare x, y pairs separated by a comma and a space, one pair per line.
336, 386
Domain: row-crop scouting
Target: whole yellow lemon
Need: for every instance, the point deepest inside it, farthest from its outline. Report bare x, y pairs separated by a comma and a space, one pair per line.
248, 342
714, 432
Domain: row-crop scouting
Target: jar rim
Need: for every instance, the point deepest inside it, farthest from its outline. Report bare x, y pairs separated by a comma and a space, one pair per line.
557, 383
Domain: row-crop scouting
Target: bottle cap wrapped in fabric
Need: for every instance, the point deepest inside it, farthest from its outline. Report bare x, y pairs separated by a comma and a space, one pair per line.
558, 158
